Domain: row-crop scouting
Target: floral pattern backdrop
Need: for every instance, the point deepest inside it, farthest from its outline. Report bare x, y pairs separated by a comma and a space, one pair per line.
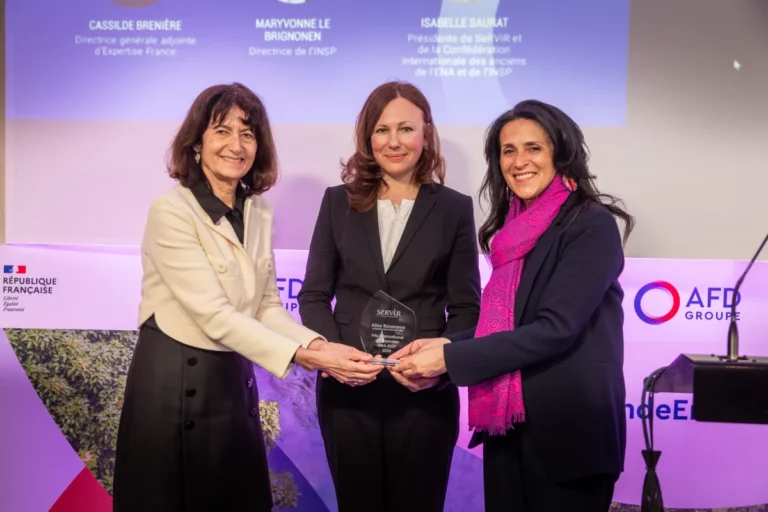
80, 377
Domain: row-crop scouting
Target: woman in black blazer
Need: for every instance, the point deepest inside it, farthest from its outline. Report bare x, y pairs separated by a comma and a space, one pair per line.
544, 365
391, 228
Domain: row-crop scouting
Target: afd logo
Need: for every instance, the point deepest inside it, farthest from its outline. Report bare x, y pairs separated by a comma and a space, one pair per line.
14, 269
708, 304
289, 288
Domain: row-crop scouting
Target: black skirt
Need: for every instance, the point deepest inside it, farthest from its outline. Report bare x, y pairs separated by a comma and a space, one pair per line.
190, 436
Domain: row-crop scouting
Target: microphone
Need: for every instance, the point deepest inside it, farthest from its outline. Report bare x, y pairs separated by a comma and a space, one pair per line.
733, 330
713, 381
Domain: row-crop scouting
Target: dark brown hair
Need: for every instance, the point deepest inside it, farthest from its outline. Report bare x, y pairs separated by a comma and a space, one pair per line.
361, 174
211, 107
570, 156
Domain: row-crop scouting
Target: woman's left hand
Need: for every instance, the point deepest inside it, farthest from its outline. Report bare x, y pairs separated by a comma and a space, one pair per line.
414, 385
424, 364
341, 347
322, 345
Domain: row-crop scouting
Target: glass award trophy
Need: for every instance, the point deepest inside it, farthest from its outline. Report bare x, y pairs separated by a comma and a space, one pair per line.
386, 326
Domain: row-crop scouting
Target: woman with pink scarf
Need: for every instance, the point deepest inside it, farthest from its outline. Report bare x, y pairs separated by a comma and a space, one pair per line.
544, 364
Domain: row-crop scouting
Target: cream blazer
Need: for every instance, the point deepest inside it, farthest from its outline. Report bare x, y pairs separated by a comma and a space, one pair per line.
208, 291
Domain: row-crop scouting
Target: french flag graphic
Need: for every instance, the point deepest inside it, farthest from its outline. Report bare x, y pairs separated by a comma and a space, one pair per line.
14, 269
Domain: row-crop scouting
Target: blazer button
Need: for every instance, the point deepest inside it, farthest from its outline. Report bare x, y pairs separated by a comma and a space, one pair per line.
191, 392
192, 361
249, 383
189, 425
253, 412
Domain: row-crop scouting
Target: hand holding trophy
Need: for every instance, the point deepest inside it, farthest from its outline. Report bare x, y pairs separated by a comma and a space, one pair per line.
386, 326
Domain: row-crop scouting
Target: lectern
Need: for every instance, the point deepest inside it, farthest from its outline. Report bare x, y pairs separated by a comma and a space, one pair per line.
725, 389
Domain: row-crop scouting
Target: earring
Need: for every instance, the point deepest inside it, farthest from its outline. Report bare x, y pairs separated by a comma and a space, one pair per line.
197, 157
569, 183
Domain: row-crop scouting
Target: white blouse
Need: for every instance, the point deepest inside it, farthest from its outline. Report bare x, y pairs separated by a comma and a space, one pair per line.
392, 221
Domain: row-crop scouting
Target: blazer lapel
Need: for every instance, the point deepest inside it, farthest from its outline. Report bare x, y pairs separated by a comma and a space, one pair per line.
223, 227
425, 200
370, 221
251, 232
537, 257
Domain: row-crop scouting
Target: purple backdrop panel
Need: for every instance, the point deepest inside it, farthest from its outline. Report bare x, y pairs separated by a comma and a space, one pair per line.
36, 461
671, 307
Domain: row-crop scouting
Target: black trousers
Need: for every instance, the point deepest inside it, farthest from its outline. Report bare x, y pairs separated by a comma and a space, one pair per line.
388, 449
515, 481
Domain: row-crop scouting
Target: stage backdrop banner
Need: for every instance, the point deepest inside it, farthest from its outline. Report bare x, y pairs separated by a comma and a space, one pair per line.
85, 297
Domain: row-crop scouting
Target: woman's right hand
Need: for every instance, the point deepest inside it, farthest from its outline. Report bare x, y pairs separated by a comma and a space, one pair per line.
420, 344
347, 367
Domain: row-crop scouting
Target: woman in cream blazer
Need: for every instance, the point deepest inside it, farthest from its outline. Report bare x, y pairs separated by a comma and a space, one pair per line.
190, 436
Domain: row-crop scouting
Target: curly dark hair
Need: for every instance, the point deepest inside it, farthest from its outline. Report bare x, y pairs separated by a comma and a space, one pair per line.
210, 108
361, 174
570, 157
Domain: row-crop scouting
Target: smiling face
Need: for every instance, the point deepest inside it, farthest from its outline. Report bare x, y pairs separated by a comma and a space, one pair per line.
398, 138
527, 158
228, 148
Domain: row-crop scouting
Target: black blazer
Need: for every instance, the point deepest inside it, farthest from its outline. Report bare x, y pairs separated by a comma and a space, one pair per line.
568, 343
435, 266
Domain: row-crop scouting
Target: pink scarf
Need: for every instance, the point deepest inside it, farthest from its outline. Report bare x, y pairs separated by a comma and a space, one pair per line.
495, 405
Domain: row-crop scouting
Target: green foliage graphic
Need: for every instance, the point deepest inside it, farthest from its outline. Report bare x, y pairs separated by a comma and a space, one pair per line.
80, 378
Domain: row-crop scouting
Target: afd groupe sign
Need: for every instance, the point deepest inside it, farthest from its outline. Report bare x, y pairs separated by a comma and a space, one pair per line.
659, 302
